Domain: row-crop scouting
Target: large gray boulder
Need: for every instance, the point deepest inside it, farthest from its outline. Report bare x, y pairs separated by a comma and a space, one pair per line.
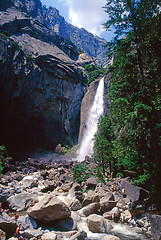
27, 222
156, 227
49, 236
107, 202
89, 209
31, 233
134, 193
98, 224
75, 205
21, 201
50, 208
108, 214
90, 197
76, 192
7, 224
79, 236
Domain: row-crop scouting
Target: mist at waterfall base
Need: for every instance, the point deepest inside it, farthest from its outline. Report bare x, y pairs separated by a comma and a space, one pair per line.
95, 112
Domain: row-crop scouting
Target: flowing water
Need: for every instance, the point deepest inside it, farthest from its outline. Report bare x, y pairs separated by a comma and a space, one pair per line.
122, 231
94, 113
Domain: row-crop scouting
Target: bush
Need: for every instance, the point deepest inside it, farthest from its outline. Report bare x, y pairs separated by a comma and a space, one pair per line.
4, 157
79, 173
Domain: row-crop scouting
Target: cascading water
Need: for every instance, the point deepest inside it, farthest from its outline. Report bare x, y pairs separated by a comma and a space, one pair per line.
94, 113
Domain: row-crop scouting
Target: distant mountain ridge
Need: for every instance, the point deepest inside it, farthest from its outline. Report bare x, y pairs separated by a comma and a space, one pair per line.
92, 45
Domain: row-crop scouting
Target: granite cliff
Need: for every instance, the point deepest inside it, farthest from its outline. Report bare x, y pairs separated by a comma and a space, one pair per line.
41, 87
42, 81
92, 45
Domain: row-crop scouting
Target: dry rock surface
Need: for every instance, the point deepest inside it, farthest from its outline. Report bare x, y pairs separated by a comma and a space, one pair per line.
54, 213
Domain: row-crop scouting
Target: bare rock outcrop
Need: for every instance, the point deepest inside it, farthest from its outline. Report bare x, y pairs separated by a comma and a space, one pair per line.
98, 224
50, 208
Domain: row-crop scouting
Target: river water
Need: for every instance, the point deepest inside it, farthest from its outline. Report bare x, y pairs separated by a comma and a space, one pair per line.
123, 231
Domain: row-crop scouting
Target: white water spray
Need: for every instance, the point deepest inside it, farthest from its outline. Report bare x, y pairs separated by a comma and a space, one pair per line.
95, 112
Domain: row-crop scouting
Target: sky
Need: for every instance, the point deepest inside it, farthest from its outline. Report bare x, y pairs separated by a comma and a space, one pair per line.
87, 14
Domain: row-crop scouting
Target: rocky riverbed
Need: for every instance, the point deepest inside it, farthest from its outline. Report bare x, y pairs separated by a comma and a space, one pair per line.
51, 206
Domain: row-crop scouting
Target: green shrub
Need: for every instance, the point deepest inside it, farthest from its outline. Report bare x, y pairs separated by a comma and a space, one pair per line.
79, 173
4, 157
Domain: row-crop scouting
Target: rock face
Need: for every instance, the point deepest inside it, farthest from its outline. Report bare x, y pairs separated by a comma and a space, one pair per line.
156, 227
40, 103
50, 208
133, 192
98, 224
92, 45
7, 224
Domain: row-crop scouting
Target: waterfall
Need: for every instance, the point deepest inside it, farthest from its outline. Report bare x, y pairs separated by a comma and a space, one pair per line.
95, 111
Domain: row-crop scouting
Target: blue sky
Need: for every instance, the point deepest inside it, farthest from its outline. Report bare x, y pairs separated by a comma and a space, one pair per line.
87, 14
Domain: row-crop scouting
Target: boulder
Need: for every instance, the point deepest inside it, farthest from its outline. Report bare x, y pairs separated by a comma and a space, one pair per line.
49, 208
89, 209
29, 182
7, 224
98, 224
66, 186
75, 205
76, 192
121, 204
127, 215
91, 183
27, 222
107, 202
49, 236
2, 235
108, 214
90, 197
79, 236
5, 193
21, 201
31, 233
156, 227
48, 186
66, 224
101, 189
133, 192
110, 237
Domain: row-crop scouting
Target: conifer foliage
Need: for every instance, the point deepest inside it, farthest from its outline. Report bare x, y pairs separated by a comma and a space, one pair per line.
134, 92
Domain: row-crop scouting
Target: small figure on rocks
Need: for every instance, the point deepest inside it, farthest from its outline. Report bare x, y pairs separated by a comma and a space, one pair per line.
16, 216
123, 192
132, 223
6, 210
20, 237
121, 219
32, 204
1, 209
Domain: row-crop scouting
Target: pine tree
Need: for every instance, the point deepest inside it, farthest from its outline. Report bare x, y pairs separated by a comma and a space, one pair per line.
103, 145
135, 87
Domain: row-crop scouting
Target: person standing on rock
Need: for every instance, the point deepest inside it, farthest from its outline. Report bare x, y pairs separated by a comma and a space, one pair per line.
20, 237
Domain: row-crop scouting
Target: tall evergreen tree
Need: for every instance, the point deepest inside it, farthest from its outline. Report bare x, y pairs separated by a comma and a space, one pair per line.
103, 145
134, 89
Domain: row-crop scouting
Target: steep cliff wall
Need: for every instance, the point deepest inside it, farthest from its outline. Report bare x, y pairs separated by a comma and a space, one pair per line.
84, 40
39, 101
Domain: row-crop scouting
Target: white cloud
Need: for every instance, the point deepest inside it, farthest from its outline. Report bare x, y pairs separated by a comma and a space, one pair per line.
87, 14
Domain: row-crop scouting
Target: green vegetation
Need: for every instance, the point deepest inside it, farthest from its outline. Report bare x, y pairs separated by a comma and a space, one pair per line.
4, 157
132, 142
94, 72
79, 174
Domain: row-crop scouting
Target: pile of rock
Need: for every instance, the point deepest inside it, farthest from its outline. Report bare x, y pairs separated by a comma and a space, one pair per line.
62, 204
